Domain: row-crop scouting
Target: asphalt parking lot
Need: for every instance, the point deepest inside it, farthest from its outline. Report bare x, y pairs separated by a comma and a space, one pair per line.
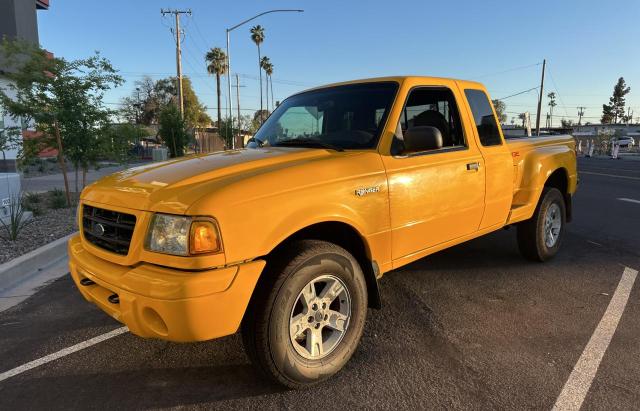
475, 326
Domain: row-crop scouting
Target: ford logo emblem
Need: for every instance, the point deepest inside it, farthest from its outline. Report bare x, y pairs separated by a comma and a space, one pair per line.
98, 229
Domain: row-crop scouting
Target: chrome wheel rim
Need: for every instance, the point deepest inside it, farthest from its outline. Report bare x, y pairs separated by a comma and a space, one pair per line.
552, 225
320, 317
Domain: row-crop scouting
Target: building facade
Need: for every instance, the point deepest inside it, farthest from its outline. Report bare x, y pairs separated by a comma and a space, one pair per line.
18, 20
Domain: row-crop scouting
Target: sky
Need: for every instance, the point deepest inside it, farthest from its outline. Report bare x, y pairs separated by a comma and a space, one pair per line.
588, 44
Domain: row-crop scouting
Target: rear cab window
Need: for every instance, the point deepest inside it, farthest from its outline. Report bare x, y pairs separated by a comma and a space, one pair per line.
486, 124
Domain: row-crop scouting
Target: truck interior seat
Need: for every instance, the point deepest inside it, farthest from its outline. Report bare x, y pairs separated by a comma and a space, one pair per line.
435, 119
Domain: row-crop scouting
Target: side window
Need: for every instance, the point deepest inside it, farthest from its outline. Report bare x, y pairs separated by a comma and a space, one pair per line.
435, 107
486, 124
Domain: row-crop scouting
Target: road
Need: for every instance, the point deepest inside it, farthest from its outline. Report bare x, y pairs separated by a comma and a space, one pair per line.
472, 327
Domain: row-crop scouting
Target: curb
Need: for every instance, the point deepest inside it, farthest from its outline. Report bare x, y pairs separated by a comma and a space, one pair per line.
22, 267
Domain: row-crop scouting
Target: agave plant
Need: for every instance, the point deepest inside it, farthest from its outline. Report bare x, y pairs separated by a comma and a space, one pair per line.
16, 220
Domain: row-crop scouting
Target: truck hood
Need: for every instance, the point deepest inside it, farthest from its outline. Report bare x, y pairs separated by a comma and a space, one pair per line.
172, 186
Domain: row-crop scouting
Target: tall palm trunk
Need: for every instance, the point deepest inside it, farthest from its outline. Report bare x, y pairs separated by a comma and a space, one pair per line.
260, 70
218, 93
266, 89
273, 101
210, 142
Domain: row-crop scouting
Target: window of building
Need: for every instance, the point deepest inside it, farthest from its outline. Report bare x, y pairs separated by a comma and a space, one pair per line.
484, 118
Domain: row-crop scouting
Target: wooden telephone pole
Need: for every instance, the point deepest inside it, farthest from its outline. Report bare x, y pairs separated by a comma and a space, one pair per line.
544, 64
178, 33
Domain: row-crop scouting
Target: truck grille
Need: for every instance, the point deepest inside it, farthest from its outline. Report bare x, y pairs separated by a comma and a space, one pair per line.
108, 229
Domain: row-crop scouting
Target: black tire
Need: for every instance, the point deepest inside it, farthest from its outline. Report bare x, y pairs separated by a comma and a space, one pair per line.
531, 233
265, 327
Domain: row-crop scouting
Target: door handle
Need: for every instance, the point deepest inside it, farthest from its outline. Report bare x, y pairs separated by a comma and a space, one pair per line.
473, 166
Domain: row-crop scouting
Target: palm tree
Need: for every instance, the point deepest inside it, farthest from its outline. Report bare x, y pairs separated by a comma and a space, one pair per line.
552, 104
265, 62
269, 72
257, 36
217, 65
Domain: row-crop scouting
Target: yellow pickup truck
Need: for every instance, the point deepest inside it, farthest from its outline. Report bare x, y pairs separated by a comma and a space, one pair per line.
286, 240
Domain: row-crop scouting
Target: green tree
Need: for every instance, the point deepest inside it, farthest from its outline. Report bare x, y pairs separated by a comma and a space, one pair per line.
226, 132
173, 130
566, 123
614, 111
9, 139
216, 60
522, 117
258, 117
195, 114
500, 108
257, 36
143, 106
552, 104
118, 140
151, 97
62, 99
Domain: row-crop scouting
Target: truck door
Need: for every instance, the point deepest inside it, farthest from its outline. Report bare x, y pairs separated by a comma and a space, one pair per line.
438, 195
498, 160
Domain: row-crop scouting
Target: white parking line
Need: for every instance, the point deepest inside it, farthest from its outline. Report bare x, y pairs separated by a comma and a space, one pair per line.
577, 386
608, 175
630, 200
62, 353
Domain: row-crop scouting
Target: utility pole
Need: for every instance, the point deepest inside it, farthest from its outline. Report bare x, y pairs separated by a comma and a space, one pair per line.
178, 34
580, 114
544, 65
238, 102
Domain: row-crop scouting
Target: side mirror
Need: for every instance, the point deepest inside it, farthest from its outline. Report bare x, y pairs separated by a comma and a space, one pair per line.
422, 138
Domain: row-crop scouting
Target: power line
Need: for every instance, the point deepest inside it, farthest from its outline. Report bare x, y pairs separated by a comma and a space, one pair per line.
519, 93
507, 70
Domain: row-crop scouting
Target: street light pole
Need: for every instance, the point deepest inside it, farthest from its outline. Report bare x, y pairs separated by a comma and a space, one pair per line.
229, 30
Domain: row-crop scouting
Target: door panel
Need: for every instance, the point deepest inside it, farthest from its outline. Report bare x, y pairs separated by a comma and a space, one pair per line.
497, 156
434, 198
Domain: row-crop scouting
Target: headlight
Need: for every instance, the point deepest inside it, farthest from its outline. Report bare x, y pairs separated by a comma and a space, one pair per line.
181, 235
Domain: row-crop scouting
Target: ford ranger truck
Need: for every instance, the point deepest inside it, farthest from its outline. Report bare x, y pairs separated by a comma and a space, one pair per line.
286, 240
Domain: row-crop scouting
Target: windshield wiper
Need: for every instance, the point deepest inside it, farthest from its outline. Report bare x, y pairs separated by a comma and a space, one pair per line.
307, 142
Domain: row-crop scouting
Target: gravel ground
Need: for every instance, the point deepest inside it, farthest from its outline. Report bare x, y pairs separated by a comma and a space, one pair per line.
45, 228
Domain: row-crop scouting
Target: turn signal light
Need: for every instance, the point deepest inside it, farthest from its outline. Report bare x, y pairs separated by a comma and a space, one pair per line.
205, 238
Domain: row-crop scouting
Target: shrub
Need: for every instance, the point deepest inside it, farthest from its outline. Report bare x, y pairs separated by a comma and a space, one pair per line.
17, 220
33, 203
57, 199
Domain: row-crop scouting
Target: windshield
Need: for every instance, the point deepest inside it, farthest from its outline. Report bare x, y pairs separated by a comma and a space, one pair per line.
341, 117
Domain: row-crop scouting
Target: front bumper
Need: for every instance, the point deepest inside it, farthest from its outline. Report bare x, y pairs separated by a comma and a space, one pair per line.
165, 303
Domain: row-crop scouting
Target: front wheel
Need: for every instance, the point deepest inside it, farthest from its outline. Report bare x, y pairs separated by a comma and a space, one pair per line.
540, 237
308, 314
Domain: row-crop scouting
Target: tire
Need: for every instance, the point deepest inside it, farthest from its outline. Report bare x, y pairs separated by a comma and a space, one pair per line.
535, 240
279, 306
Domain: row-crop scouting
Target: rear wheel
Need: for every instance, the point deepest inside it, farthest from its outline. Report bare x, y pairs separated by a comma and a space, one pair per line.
540, 237
308, 314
